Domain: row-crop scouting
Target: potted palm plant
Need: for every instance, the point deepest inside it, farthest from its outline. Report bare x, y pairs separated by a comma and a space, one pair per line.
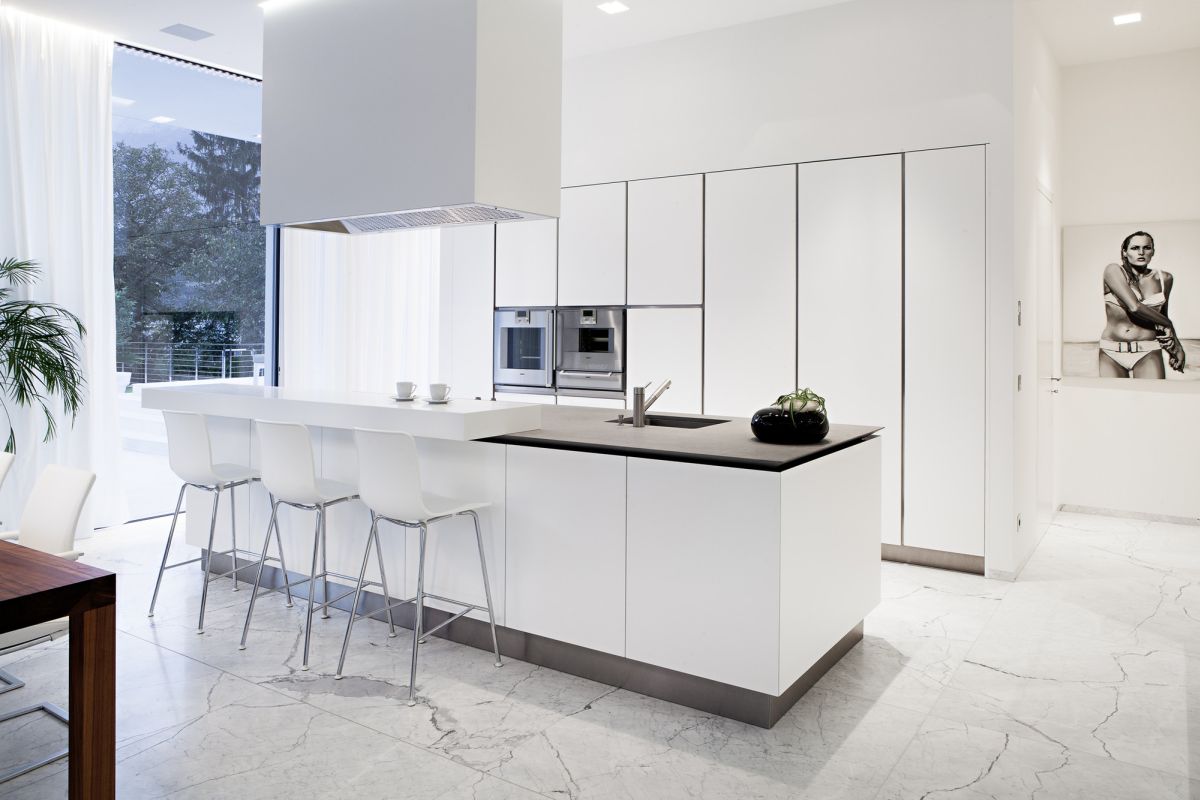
39, 351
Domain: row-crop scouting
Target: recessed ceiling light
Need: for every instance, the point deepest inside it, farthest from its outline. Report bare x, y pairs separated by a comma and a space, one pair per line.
258, 136
124, 102
162, 120
186, 32
614, 7
1125, 19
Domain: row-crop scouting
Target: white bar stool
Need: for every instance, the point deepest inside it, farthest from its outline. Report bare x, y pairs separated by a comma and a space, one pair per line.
390, 485
189, 451
288, 472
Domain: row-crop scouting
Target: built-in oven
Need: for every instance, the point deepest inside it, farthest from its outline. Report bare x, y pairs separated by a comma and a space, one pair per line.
524, 350
591, 349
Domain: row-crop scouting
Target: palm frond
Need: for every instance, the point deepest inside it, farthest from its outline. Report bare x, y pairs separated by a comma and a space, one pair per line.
19, 270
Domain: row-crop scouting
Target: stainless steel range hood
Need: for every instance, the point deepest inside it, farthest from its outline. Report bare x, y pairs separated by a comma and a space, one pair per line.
390, 114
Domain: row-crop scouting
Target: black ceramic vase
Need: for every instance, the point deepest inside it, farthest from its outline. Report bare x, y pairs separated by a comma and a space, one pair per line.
779, 426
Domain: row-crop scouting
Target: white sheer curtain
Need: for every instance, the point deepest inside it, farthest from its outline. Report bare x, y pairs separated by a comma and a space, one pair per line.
358, 313
56, 208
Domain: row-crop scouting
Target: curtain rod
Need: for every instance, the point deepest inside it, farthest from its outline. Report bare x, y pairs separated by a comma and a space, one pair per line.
146, 51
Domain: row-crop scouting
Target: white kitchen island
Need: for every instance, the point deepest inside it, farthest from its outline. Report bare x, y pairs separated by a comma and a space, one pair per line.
696, 565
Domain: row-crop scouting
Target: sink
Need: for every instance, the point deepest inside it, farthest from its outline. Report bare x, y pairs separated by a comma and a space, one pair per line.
663, 421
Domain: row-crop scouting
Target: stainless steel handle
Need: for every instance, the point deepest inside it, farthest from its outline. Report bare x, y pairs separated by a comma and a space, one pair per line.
572, 374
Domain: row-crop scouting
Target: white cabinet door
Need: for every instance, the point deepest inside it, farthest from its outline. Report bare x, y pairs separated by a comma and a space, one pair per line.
703, 578
566, 546
850, 301
944, 350
526, 263
591, 246
749, 289
467, 268
662, 343
666, 241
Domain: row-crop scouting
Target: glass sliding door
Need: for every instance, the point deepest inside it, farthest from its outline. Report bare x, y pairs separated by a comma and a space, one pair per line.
190, 257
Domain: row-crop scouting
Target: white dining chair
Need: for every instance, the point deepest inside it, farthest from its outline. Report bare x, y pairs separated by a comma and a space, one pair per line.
390, 485
48, 524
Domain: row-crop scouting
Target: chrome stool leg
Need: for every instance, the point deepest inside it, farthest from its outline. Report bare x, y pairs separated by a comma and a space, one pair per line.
412, 676
258, 578
362, 577
487, 588
312, 581
324, 571
167, 550
212, 532
287, 582
233, 529
9, 682
387, 597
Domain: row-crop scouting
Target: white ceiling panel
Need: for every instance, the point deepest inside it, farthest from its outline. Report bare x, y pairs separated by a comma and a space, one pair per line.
1082, 31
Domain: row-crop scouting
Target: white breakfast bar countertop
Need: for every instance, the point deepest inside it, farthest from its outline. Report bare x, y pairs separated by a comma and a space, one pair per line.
460, 419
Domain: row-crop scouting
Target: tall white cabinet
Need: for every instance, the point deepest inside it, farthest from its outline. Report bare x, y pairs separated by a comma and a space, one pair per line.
944, 350
591, 246
749, 288
850, 302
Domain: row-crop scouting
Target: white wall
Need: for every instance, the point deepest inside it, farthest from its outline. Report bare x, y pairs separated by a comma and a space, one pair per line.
1036, 98
1129, 141
859, 78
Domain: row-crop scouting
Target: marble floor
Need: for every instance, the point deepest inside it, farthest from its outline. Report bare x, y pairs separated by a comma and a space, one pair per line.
1076, 681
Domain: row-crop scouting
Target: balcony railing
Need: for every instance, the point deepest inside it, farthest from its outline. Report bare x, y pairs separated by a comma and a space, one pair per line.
159, 362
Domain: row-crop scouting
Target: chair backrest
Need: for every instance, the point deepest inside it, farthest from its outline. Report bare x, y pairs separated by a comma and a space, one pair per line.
286, 461
6, 462
53, 508
189, 449
389, 475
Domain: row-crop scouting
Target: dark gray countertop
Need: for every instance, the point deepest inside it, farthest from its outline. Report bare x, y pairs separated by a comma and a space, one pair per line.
729, 444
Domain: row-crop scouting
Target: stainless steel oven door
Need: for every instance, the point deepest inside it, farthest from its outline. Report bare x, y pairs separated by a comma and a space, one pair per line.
524, 347
591, 348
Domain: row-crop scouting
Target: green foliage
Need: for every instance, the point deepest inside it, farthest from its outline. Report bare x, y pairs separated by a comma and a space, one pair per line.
188, 240
39, 356
799, 401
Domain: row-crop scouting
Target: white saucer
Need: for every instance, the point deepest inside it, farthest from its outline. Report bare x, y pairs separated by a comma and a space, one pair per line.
404, 399
431, 401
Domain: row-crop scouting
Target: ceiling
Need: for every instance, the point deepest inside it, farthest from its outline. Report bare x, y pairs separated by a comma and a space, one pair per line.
1082, 31
1079, 31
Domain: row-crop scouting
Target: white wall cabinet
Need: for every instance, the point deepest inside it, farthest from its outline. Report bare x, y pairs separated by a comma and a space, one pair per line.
566, 546
467, 269
944, 350
666, 343
526, 263
666, 241
850, 301
591, 246
749, 289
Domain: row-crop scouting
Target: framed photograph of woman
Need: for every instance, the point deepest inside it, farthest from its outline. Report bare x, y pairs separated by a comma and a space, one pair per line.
1131, 301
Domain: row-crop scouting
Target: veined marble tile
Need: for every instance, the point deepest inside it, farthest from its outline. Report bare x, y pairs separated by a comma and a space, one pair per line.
1141, 554
909, 673
919, 602
953, 760
1131, 705
1098, 523
625, 745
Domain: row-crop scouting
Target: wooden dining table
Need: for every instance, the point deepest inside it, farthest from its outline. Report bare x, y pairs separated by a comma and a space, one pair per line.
37, 587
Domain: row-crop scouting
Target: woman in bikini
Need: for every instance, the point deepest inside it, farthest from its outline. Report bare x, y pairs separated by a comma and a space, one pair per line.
1135, 301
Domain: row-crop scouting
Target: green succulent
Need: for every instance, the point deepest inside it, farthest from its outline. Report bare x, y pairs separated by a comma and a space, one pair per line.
799, 401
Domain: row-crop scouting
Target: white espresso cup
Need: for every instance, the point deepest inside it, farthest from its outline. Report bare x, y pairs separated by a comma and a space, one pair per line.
405, 389
439, 391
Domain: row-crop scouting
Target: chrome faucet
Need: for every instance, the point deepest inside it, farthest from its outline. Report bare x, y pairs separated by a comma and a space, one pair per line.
641, 405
